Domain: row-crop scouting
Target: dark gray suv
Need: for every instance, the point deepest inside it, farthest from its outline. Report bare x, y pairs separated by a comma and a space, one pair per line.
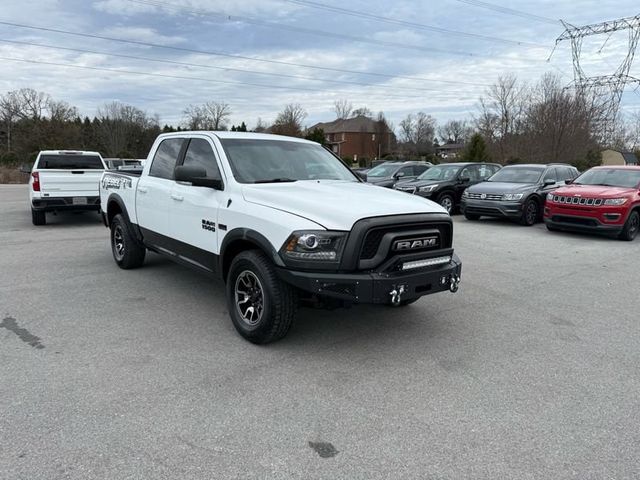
517, 192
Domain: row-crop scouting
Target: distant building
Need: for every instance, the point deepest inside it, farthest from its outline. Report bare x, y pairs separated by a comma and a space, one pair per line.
450, 151
614, 157
358, 136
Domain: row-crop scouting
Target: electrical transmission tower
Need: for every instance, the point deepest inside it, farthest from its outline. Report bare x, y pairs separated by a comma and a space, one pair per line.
603, 91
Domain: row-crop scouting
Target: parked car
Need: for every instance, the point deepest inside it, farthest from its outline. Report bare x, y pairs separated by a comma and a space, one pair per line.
445, 183
516, 192
601, 200
361, 172
245, 207
388, 173
64, 180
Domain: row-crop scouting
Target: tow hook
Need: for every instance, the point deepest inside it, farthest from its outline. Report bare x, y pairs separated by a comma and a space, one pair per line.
454, 284
396, 295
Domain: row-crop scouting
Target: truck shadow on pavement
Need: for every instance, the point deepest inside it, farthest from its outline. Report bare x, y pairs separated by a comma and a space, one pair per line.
72, 219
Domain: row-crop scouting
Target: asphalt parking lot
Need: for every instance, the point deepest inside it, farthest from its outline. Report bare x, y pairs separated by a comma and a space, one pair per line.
530, 371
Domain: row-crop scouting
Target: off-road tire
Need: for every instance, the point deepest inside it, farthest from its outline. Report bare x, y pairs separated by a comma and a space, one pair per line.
279, 299
38, 217
127, 251
631, 227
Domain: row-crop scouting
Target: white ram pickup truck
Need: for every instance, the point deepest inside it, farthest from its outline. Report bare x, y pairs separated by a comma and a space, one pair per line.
64, 180
279, 220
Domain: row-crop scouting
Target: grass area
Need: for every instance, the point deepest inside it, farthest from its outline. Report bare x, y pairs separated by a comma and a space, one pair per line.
12, 175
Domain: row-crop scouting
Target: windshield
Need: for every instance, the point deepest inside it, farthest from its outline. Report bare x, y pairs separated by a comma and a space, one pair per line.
440, 172
611, 177
265, 161
384, 170
70, 162
517, 175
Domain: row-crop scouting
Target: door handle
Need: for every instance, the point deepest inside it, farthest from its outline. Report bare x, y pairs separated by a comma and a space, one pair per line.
142, 190
178, 198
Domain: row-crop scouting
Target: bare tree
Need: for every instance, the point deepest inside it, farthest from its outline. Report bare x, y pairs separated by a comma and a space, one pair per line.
455, 131
9, 114
261, 126
61, 111
208, 116
362, 111
33, 104
342, 108
119, 124
289, 121
417, 133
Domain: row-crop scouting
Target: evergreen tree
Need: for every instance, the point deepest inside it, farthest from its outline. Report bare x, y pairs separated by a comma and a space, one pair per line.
476, 150
316, 135
242, 128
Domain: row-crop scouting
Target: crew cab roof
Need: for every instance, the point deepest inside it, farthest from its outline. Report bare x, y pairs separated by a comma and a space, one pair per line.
617, 167
236, 135
68, 152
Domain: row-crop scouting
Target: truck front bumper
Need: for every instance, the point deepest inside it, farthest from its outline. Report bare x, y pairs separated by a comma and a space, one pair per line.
50, 204
378, 287
491, 208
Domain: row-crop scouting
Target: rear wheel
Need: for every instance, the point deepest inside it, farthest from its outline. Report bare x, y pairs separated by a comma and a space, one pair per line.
262, 307
38, 217
530, 213
127, 251
630, 230
447, 202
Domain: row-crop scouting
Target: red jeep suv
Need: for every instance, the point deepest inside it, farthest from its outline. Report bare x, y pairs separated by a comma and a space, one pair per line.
603, 199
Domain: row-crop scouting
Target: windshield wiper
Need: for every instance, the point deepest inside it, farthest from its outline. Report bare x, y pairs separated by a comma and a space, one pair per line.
276, 180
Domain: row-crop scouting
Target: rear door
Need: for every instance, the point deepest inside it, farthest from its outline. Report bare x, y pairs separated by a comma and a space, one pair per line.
193, 211
69, 175
154, 192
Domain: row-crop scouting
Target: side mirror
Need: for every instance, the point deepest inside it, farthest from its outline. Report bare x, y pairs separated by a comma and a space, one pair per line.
568, 181
196, 176
398, 175
548, 183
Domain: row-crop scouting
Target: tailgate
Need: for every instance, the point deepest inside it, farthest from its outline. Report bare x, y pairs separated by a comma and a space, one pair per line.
70, 183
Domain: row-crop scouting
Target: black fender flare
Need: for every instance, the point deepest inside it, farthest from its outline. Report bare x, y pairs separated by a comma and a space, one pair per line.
251, 236
115, 198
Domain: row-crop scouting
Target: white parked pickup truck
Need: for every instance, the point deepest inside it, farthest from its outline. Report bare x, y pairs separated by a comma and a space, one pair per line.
64, 180
279, 220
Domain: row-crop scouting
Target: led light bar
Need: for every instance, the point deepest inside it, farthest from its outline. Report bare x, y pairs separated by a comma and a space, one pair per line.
427, 262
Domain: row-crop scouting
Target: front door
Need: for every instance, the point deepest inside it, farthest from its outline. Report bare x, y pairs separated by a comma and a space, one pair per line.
193, 211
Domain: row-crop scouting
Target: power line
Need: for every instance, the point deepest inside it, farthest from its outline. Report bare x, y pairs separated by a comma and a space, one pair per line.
200, 79
235, 56
291, 28
405, 23
510, 11
200, 65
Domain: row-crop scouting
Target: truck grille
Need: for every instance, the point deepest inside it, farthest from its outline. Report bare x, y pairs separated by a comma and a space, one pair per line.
373, 238
484, 196
575, 200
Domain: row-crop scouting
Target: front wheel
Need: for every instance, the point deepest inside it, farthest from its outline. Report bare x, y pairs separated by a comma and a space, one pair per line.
530, 213
262, 307
127, 251
447, 202
630, 230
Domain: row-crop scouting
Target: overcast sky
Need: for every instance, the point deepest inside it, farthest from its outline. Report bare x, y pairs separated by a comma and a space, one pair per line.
257, 55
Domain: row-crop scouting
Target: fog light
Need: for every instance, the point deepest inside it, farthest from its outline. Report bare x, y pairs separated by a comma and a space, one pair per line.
427, 262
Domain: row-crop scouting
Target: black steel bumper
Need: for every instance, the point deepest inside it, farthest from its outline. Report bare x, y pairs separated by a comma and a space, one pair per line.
582, 224
492, 208
377, 287
50, 204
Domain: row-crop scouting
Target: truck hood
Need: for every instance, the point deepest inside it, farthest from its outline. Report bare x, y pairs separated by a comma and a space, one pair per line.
336, 205
594, 191
501, 187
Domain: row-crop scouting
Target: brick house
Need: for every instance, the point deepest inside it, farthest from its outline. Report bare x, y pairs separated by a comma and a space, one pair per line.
360, 137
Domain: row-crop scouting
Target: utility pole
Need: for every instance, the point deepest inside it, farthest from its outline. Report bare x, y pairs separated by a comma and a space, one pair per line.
604, 90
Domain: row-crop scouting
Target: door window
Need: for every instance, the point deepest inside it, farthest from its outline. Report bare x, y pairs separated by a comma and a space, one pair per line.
164, 161
408, 171
551, 175
470, 172
200, 154
420, 169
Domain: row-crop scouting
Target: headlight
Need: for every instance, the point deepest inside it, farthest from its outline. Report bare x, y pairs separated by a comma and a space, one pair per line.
314, 246
550, 197
465, 193
512, 196
615, 201
428, 188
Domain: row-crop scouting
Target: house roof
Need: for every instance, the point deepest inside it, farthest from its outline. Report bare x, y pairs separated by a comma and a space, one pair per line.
357, 124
